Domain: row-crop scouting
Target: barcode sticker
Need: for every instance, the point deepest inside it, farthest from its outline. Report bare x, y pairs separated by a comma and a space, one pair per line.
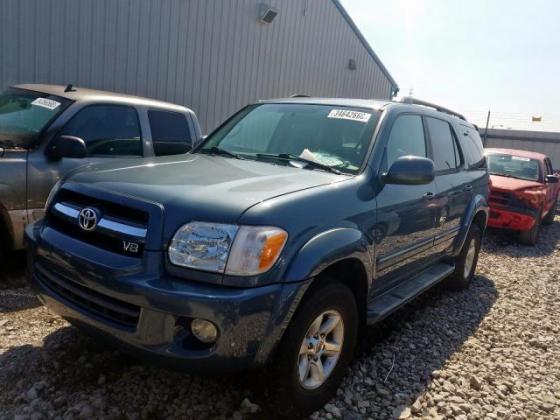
345, 114
46, 103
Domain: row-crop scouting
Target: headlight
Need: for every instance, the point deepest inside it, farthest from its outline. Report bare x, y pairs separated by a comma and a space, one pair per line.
230, 249
53, 192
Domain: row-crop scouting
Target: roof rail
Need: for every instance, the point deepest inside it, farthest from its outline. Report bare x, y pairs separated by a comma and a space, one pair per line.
414, 101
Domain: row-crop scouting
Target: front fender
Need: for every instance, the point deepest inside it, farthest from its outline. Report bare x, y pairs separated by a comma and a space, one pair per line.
477, 204
326, 249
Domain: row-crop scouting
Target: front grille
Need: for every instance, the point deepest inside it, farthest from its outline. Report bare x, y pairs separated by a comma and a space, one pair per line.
115, 210
114, 310
120, 229
500, 199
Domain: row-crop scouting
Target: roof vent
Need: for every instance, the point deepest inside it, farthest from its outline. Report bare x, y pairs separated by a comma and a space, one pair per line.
267, 13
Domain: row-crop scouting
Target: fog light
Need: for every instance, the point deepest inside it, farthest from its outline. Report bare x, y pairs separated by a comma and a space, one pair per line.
204, 330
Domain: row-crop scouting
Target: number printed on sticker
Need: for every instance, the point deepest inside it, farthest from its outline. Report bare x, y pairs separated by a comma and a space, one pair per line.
46, 103
345, 114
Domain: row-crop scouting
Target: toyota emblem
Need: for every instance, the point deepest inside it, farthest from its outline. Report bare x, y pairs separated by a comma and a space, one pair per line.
88, 218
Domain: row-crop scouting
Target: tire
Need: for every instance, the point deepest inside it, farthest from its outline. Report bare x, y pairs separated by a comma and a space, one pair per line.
549, 218
287, 395
531, 237
465, 263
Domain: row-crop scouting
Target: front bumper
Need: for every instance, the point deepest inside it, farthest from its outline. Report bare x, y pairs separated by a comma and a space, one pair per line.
519, 220
135, 305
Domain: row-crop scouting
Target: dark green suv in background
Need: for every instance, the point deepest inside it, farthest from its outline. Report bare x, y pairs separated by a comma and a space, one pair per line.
289, 229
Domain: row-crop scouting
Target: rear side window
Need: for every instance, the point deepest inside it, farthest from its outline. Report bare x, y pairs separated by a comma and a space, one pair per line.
170, 132
445, 151
472, 146
107, 130
406, 138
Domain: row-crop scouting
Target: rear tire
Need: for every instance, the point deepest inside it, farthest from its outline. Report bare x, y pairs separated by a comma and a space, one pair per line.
531, 236
549, 218
465, 263
296, 387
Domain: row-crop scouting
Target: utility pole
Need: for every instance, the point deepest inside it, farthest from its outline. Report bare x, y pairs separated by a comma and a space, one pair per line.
486, 130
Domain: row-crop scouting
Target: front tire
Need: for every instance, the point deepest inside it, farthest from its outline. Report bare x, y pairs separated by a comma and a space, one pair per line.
465, 263
315, 351
531, 236
549, 218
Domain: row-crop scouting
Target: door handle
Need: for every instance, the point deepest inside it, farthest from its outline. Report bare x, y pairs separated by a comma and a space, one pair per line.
429, 196
468, 187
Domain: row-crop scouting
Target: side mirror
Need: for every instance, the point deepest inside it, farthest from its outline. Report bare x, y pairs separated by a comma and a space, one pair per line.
66, 146
551, 179
410, 170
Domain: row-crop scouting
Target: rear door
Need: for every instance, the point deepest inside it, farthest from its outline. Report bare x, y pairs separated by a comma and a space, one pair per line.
405, 228
454, 188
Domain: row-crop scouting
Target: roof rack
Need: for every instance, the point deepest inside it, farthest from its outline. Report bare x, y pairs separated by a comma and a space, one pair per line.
414, 101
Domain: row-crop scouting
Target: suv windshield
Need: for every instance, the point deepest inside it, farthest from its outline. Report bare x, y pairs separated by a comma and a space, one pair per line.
513, 166
308, 136
23, 114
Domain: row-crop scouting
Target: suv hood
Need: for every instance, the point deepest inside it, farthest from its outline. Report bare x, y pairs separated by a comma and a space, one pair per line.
202, 187
511, 184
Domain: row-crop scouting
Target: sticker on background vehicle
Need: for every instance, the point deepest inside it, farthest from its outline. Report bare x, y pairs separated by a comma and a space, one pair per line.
344, 114
46, 103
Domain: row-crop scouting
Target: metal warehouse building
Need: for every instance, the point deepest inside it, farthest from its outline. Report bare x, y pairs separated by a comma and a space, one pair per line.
213, 56
534, 141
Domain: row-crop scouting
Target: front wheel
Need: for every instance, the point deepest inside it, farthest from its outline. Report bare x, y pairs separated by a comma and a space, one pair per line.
315, 351
549, 218
465, 263
531, 236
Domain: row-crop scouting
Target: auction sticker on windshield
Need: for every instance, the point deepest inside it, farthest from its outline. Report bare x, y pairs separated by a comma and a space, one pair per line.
345, 114
46, 103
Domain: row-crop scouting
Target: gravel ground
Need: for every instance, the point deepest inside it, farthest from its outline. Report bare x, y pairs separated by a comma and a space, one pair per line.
489, 352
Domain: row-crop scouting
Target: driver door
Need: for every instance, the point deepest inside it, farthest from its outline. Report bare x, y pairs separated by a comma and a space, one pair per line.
109, 131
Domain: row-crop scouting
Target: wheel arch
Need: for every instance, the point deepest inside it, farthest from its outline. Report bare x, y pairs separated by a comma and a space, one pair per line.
477, 213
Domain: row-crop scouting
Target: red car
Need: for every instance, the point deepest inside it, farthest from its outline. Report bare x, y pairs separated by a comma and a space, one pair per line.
523, 191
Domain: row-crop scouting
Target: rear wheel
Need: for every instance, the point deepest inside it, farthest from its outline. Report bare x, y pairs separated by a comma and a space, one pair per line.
465, 263
313, 356
531, 236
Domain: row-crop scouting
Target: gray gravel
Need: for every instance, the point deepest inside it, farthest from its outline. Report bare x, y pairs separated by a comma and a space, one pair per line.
489, 352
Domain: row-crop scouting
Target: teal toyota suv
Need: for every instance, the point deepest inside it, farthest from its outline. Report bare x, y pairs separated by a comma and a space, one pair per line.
273, 244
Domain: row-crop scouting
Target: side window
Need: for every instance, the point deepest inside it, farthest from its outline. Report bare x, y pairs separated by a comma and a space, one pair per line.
446, 155
406, 138
170, 132
548, 164
472, 146
111, 130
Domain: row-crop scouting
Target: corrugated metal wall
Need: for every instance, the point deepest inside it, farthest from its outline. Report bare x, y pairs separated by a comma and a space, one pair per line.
211, 55
535, 141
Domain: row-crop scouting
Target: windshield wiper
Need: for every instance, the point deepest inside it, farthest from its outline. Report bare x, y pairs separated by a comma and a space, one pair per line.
219, 151
309, 162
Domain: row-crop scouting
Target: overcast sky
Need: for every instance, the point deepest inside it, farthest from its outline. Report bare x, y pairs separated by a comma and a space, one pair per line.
472, 56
